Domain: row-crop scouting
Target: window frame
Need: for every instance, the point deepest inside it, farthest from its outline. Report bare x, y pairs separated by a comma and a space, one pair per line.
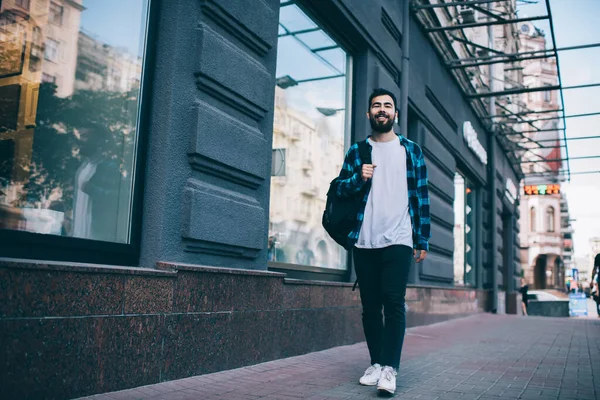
19, 3
547, 94
54, 248
52, 15
532, 219
309, 272
550, 219
282, 151
45, 78
56, 57
476, 190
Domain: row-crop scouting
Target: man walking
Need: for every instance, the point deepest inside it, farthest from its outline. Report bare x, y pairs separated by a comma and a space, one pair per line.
393, 224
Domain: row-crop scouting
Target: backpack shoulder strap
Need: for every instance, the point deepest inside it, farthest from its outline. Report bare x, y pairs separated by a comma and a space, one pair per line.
364, 150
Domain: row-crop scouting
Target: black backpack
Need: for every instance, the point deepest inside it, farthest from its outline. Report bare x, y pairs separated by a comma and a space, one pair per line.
339, 217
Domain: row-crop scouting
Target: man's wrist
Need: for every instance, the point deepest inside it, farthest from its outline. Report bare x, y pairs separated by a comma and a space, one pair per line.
358, 180
422, 246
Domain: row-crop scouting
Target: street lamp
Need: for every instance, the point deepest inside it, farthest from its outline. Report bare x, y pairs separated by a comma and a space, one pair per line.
329, 112
285, 82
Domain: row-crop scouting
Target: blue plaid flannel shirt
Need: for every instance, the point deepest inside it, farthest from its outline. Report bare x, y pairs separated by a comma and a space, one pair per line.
350, 182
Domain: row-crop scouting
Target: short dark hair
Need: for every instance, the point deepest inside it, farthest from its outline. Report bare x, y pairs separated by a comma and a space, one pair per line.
382, 92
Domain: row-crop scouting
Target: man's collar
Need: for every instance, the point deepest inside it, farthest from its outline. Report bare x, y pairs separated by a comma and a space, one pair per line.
402, 138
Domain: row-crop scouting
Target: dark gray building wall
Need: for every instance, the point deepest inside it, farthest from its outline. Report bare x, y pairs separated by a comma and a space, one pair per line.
440, 103
438, 111
207, 187
486, 239
506, 243
438, 267
509, 261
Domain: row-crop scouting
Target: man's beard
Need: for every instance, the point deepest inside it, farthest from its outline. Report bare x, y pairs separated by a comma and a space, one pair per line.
383, 126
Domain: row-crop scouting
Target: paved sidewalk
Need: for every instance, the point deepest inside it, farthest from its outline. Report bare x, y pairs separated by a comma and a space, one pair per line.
481, 357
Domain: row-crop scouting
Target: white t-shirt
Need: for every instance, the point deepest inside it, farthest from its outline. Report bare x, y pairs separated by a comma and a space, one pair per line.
387, 219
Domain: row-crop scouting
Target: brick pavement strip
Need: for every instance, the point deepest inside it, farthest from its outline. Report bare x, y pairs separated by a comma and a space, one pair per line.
481, 357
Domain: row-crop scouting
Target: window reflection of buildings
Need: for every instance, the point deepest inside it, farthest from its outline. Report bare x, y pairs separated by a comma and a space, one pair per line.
314, 154
41, 41
59, 41
24, 33
104, 67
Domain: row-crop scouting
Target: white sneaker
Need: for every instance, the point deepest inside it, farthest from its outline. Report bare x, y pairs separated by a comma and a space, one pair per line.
387, 380
371, 376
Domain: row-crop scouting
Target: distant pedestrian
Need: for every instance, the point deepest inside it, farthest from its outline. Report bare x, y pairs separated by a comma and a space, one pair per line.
393, 226
595, 289
271, 248
305, 256
524, 301
574, 286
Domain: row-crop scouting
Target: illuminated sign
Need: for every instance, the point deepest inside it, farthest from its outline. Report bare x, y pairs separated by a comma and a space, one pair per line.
470, 137
534, 190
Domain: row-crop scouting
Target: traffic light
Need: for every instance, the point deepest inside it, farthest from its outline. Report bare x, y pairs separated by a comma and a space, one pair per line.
542, 190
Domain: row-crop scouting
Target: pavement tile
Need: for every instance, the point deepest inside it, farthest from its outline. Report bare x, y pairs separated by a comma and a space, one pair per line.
484, 357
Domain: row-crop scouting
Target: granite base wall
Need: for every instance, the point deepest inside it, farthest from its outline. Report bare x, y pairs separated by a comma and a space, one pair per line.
558, 308
69, 330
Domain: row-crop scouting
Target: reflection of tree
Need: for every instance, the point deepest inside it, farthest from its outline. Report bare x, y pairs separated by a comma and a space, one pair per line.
87, 125
11, 56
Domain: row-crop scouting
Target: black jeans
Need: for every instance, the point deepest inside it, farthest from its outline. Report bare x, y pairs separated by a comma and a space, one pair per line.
382, 276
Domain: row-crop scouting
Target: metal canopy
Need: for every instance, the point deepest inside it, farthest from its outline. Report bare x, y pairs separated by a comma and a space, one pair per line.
448, 27
299, 36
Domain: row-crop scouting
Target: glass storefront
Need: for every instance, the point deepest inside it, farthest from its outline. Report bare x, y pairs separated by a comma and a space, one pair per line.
309, 140
70, 87
464, 232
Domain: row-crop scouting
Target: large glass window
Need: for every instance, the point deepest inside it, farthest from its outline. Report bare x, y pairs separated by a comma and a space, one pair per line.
309, 140
68, 132
464, 232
